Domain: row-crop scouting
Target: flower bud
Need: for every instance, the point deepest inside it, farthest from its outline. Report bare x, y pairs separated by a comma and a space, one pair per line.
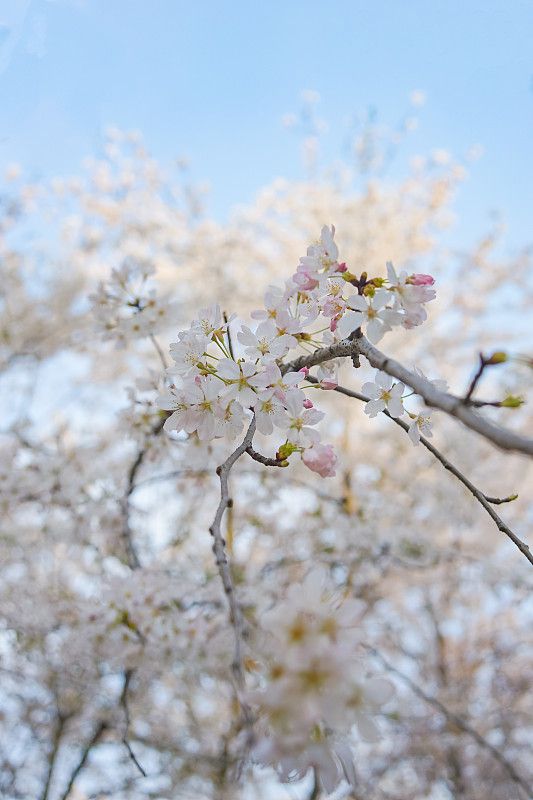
499, 357
512, 401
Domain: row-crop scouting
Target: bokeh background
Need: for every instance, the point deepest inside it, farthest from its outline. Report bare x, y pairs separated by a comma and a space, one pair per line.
209, 142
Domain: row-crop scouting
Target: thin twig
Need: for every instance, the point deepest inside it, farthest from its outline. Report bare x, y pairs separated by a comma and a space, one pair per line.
268, 462
477, 493
235, 612
475, 380
61, 719
498, 501
176, 473
159, 351
99, 730
459, 722
127, 535
124, 703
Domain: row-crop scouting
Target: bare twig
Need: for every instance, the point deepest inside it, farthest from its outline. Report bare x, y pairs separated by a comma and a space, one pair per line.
455, 720
498, 501
159, 351
95, 738
475, 380
477, 493
124, 703
61, 719
235, 612
268, 462
176, 473
127, 536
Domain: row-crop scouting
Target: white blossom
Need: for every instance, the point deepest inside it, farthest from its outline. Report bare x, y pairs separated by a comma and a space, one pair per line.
384, 395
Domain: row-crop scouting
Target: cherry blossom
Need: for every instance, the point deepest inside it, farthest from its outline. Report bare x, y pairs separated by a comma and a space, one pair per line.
384, 394
420, 424
370, 311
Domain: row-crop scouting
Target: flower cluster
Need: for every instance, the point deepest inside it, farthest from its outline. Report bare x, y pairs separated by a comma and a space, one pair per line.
211, 393
127, 306
386, 395
314, 685
213, 389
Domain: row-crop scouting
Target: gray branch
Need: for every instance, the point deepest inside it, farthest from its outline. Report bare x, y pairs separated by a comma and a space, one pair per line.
449, 403
235, 611
477, 493
457, 721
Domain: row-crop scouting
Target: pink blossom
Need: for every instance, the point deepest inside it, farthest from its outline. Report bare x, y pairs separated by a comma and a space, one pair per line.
320, 458
308, 403
304, 279
419, 279
342, 267
305, 371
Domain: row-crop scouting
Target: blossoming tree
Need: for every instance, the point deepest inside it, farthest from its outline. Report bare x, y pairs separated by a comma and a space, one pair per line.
251, 573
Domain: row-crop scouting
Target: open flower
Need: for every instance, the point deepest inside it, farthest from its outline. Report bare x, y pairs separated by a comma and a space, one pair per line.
188, 351
268, 411
371, 312
237, 378
384, 395
266, 344
420, 424
298, 419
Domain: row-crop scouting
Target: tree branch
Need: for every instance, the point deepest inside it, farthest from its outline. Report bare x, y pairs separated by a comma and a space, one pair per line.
56, 741
454, 406
459, 722
99, 730
450, 404
127, 535
268, 462
124, 703
235, 612
477, 493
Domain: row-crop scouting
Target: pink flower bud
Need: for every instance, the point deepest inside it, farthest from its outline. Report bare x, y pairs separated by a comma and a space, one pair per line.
308, 403
328, 385
342, 267
419, 279
305, 371
304, 280
320, 458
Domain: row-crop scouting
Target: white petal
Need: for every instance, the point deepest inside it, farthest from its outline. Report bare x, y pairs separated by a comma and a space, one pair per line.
367, 728
348, 323
379, 691
395, 407
373, 407
371, 390
375, 330
384, 380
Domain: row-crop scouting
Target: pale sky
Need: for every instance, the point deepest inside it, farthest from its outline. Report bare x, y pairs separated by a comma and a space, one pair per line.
212, 79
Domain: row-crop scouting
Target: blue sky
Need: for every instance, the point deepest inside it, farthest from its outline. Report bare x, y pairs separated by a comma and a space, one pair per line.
211, 80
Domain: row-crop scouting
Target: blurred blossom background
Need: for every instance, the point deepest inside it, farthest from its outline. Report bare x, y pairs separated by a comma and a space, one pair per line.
157, 158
